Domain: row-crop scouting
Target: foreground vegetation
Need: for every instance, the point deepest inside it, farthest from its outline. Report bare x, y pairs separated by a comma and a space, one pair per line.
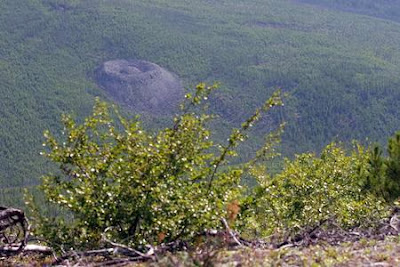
175, 191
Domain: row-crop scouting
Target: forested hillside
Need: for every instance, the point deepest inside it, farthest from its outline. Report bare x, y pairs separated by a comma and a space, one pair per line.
339, 67
385, 9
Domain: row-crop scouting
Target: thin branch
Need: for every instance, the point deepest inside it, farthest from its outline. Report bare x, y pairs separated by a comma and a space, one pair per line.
126, 248
228, 229
274, 100
14, 229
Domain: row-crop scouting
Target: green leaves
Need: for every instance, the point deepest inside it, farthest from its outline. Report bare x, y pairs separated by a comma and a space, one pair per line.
115, 175
148, 188
310, 190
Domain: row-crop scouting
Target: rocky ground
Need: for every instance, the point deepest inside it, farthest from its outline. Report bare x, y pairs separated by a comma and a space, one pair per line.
324, 246
365, 252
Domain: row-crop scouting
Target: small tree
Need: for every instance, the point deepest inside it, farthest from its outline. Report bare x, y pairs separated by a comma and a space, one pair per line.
375, 173
384, 172
393, 168
140, 187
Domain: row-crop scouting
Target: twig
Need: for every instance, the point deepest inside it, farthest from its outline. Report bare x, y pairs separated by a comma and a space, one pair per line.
77, 254
149, 254
132, 254
38, 249
302, 236
380, 264
286, 246
117, 262
228, 229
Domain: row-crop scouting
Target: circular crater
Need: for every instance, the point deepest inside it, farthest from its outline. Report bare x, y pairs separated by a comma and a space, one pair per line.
140, 85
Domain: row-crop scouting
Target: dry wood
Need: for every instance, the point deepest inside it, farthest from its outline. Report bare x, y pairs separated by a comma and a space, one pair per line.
231, 233
32, 248
14, 230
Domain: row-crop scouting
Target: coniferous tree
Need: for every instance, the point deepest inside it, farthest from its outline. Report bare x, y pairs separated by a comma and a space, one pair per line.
393, 167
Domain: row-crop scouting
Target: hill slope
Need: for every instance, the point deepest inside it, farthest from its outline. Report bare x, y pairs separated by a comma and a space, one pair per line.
385, 9
340, 68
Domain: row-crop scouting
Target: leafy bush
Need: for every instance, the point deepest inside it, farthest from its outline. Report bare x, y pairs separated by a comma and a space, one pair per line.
311, 190
139, 187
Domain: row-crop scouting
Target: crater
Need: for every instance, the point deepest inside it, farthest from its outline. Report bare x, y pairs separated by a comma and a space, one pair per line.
141, 86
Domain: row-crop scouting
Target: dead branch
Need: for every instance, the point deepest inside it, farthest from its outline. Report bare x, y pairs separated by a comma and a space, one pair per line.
131, 252
32, 248
79, 254
231, 233
14, 230
303, 236
106, 253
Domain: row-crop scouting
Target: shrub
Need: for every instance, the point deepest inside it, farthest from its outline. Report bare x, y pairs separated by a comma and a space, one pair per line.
309, 191
136, 186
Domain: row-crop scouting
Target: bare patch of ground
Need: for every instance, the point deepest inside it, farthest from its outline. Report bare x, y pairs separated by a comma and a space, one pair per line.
365, 252
141, 86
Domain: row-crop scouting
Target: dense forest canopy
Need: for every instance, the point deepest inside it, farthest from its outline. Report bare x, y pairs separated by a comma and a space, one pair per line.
337, 60
385, 9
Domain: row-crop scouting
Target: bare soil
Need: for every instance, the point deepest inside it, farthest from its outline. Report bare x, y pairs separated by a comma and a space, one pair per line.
141, 86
